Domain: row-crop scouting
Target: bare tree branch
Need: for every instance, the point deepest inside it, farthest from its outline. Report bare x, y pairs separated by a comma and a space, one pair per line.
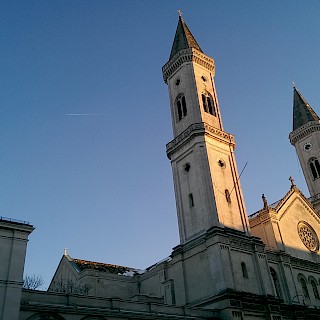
69, 287
32, 282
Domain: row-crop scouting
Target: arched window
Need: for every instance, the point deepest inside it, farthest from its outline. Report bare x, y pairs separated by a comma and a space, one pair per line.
191, 202
45, 316
303, 283
181, 106
244, 270
228, 197
208, 103
314, 288
314, 167
276, 283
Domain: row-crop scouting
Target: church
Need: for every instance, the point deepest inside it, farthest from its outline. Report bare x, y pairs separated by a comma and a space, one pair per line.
228, 264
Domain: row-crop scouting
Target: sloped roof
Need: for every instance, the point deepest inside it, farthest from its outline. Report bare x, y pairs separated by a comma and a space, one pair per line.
183, 39
302, 111
105, 267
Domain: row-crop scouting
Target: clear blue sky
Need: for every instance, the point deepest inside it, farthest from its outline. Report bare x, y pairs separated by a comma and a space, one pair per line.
101, 185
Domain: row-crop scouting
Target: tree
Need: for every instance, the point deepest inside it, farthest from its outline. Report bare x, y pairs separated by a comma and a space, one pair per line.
69, 287
32, 282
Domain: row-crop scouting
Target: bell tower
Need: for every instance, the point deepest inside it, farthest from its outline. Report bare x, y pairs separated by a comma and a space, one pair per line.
206, 181
305, 137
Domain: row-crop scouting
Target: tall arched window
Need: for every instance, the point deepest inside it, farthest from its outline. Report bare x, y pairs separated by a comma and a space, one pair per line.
208, 103
314, 166
191, 201
181, 106
276, 283
304, 287
314, 288
244, 270
228, 196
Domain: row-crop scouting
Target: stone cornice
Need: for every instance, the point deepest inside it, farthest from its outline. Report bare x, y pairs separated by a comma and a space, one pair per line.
263, 215
200, 128
184, 56
314, 198
303, 131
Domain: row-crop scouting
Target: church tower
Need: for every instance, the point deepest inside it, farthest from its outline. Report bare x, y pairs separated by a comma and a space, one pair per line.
206, 181
305, 137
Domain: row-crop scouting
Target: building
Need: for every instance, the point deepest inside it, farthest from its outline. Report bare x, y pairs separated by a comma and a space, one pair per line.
227, 265
14, 236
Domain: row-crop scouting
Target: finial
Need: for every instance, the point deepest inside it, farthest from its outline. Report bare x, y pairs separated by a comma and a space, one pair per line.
65, 253
292, 182
180, 13
294, 85
265, 202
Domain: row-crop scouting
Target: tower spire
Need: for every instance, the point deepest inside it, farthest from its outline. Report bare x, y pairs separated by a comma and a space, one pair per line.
183, 38
302, 111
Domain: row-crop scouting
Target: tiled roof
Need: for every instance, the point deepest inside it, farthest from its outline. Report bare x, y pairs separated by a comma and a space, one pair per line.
105, 267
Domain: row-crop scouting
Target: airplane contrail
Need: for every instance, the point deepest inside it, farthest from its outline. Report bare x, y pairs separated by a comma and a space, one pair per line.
85, 114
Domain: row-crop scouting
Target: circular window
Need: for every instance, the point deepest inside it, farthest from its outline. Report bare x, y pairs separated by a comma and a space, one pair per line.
308, 236
204, 79
221, 163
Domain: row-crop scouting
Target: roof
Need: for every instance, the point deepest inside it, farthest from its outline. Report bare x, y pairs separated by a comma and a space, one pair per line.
302, 111
278, 204
183, 39
104, 267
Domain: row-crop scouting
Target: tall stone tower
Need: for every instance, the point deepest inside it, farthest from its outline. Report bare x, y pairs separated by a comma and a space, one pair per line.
206, 181
305, 137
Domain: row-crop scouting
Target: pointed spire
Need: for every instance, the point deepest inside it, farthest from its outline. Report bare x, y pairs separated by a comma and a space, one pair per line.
183, 38
302, 111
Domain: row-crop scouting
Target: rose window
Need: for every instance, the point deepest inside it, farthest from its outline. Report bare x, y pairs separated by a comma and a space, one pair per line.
308, 236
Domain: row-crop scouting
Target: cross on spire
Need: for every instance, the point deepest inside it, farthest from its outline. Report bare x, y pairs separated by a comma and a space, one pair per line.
180, 13
292, 182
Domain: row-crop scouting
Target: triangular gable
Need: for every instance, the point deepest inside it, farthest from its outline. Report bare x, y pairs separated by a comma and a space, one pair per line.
294, 195
65, 262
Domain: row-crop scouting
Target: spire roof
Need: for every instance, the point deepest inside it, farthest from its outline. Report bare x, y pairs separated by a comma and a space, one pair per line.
183, 38
302, 111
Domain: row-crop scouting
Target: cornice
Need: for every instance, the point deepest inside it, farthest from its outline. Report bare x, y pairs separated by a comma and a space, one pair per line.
314, 198
200, 128
185, 56
303, 131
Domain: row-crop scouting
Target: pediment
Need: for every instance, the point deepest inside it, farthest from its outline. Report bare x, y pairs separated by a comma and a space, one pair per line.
295, 204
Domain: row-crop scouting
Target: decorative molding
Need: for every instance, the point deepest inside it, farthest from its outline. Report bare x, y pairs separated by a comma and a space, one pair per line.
200, 128
314, 198
298, 134
185, 56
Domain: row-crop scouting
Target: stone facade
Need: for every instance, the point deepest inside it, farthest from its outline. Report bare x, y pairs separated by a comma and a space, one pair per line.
14, 236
